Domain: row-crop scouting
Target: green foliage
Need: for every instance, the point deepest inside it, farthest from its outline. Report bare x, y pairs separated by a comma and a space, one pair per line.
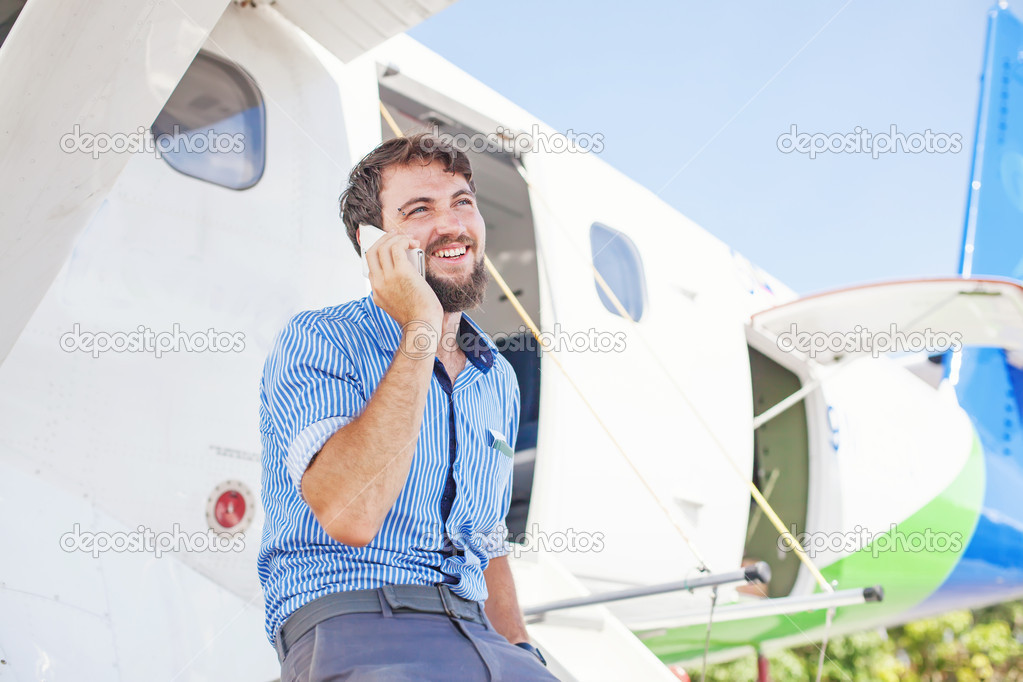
960, 646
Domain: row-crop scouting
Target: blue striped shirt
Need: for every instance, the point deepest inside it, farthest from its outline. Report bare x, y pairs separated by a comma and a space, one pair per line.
448, 520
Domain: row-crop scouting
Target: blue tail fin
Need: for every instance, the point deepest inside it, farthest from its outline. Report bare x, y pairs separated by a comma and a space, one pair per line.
993, 236
988, 387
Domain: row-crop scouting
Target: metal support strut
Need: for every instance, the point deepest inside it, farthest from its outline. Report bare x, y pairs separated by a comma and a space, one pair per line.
759, 571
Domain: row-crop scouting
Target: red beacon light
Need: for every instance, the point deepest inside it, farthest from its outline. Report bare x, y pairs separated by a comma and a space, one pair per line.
229, 508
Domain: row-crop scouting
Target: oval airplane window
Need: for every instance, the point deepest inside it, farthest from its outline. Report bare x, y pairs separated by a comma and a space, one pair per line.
616, 258
213, 127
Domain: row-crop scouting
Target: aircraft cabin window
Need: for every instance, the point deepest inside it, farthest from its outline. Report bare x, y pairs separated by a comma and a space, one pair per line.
616, 258
213, 127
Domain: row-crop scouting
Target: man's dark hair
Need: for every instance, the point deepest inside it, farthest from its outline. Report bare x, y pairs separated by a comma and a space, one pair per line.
360, 202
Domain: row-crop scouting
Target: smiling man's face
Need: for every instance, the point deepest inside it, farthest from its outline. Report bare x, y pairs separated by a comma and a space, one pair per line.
439, 209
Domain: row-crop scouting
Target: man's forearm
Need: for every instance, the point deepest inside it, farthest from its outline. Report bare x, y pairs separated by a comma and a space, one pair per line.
358, 474
502, 604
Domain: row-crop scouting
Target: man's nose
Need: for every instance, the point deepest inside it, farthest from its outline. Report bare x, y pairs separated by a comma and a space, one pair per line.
449, 223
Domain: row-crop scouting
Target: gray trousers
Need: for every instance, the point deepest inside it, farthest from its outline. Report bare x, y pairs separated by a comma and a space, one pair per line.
393, 647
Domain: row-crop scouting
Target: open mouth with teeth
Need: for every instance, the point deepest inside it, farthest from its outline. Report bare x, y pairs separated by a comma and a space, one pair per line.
455, 253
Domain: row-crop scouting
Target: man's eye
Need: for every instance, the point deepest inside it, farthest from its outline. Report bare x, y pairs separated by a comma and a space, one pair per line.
467, 202
416, 210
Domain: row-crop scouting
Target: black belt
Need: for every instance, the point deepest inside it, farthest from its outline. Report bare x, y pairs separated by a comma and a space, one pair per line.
401, 599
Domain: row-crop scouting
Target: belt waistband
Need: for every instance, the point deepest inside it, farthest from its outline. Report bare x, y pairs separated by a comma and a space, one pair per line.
401, 599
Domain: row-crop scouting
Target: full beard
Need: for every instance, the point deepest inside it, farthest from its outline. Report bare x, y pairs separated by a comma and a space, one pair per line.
464, 295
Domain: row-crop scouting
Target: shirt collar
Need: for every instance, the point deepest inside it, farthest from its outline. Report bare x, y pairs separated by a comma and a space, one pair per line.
476, 345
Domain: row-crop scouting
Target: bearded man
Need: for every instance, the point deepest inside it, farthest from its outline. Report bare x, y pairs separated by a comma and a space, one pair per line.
387, 426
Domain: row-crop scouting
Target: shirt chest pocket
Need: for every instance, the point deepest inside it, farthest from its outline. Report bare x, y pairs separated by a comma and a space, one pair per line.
486, 457
493, 474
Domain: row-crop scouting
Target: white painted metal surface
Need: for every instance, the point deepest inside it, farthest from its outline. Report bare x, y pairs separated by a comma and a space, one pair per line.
70, 65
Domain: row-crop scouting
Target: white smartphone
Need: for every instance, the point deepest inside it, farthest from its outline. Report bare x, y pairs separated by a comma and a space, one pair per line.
368, 236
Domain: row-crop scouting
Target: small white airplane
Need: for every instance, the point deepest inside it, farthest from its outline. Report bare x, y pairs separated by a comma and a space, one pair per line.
140, 294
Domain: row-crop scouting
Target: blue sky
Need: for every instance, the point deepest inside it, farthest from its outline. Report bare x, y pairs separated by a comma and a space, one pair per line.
691, 98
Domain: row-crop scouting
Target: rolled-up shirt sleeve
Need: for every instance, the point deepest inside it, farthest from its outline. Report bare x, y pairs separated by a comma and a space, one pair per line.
311, 389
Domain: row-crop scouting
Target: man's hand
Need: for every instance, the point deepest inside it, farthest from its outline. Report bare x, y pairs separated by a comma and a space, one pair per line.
397, 287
